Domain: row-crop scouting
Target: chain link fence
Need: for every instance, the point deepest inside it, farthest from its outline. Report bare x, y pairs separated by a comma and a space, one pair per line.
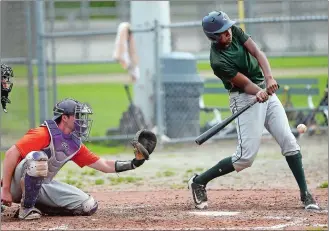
36, 48
17, 48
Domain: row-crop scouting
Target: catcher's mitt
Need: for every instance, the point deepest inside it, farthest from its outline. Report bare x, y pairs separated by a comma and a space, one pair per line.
144, 144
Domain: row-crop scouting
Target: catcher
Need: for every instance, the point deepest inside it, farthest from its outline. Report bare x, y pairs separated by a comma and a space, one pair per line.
6, 85
31, 164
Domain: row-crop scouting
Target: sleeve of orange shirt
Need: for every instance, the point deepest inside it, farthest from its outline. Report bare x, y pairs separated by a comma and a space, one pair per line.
84, 157
34, 140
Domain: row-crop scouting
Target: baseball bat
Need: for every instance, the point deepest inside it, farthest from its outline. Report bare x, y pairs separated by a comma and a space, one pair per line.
216, 128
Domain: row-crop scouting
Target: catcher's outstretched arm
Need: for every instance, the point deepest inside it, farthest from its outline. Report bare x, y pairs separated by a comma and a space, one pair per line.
143, 143
113, 166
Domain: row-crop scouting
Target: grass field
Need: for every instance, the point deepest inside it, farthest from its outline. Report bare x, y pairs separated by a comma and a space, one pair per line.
111, 68
109, 100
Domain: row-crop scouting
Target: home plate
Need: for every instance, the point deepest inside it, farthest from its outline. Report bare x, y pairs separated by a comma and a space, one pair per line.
214, 213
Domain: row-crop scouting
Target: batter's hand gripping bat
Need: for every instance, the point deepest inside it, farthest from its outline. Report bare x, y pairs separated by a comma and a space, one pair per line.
216, 128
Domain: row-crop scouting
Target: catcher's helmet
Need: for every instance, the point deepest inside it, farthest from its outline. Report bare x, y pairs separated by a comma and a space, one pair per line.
81, 111
214, 23
6, 75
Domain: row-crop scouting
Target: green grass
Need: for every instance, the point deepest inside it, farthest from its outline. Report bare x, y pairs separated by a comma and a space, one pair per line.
99, 181
114, 68
73, 69
286, 62
324, 185
77, 4
124, 180
108, 101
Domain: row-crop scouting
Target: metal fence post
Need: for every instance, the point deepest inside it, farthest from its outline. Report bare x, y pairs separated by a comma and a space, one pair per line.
158, 83
41, 60
0, 92
29, 63
53, 51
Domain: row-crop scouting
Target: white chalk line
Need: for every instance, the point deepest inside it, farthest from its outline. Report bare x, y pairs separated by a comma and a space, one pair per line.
295, 222
61, 227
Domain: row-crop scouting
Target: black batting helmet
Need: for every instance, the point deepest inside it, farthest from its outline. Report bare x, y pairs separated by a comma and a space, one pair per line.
215, 23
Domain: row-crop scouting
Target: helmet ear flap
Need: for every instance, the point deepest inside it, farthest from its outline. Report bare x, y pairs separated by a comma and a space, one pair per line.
212, 37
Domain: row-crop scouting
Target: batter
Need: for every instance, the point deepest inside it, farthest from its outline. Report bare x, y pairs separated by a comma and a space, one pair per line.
246, 74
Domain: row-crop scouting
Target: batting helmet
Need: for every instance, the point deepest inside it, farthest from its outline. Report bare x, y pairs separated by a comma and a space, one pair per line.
81, 112
214, 23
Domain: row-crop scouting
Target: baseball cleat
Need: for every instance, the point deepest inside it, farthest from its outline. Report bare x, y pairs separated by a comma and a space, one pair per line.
309, 202
199, 193
29, 213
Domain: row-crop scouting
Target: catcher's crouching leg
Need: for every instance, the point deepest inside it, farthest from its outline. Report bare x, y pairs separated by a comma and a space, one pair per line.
86, 208
35, 171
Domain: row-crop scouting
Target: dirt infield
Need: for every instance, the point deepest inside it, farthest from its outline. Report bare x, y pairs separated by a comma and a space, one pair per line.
263, 197
171, 210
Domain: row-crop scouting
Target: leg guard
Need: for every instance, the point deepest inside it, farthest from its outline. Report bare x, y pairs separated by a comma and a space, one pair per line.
35, 171
87, 208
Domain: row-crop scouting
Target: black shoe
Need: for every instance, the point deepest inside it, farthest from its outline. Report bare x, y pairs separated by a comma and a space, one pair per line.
199, 194
309, 202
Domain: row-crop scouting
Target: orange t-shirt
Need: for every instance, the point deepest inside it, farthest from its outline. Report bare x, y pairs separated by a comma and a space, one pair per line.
38, 138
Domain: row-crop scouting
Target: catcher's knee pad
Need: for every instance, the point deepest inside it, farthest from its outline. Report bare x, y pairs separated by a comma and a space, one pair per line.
35, 171
37, 164
87, 208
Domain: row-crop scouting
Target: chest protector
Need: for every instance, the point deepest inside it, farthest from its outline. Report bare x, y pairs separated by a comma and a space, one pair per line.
61, 149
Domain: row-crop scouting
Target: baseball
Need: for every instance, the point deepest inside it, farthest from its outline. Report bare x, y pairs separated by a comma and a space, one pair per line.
301, 128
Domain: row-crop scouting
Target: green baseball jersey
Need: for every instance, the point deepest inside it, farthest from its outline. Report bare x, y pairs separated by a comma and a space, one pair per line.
226, 63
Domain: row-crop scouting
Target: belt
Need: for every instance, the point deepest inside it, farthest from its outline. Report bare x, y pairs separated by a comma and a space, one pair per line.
261, 85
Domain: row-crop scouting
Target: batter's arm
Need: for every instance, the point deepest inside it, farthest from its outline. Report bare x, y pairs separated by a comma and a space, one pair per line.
260, 56
254, 50
241, 81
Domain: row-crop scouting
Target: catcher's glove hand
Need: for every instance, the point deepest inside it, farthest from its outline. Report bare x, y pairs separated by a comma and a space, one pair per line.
144, 144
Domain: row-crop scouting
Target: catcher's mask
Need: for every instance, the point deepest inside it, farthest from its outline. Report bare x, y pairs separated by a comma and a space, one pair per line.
214, 23
6, 75
81, 112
